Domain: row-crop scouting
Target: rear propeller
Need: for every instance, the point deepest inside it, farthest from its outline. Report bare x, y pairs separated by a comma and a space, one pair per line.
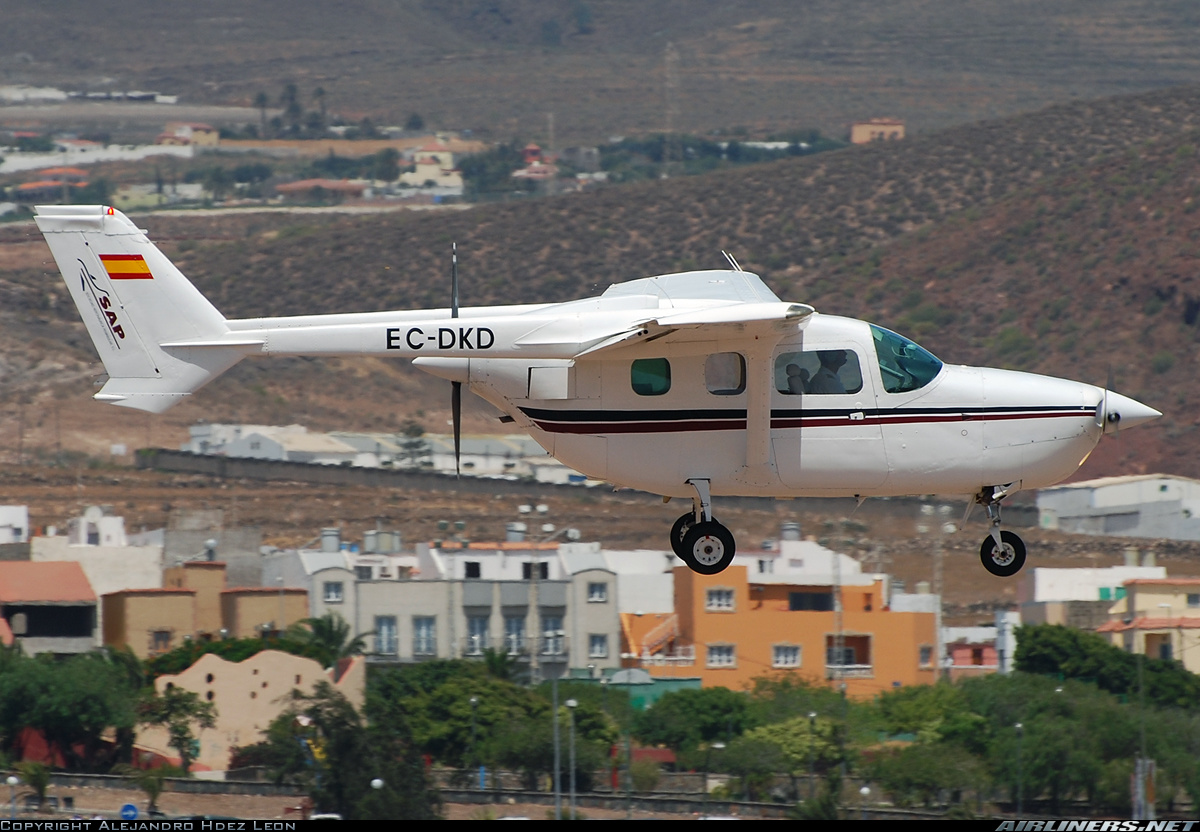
455, 386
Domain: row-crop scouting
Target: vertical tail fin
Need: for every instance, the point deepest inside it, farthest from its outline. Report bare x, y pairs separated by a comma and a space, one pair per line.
133, 300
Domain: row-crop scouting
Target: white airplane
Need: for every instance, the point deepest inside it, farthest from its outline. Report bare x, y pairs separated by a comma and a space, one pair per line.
697, 385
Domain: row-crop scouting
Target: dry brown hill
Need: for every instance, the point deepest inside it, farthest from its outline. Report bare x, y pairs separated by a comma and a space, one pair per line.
1061, 241
500, 66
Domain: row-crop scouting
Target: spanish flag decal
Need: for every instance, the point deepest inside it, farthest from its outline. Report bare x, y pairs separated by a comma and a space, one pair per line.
126, 267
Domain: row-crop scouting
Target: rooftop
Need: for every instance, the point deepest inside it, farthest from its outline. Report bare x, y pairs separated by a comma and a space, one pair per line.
25, 582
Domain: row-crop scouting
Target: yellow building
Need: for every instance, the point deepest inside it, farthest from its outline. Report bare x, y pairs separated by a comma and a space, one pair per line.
1159, 617
194, 603
876, 130
248, 695
729, 628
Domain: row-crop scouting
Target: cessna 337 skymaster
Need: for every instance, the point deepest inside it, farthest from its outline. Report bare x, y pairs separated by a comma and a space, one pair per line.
696, 385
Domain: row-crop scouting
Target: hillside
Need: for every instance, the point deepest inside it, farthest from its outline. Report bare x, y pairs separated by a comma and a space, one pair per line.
500, 66
1060, 241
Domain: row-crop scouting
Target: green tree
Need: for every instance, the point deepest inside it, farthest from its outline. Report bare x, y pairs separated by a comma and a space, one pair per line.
387, 165
35, 775
330, 637
178, 710
683, 719
326, 745
414, 123
261, 102
152, 781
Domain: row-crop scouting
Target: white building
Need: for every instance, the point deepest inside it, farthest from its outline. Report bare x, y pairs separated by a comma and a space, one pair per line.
14, 524
1152, 505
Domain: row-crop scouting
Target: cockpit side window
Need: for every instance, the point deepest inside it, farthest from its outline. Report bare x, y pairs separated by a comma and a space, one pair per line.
905, 366
818, 372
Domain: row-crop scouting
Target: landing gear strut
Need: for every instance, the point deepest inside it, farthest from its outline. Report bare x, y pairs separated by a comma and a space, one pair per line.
706, 546
1002, 552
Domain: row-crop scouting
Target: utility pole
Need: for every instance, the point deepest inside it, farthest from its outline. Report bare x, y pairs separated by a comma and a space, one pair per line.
671, 93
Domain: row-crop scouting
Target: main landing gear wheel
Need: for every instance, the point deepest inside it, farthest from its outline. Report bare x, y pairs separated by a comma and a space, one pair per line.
708, 548
1004, 561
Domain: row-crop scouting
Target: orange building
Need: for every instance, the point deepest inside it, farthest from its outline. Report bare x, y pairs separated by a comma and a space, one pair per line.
194, 603
728, 629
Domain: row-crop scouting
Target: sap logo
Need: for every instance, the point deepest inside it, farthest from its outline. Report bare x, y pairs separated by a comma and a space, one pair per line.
103, 303
446, 338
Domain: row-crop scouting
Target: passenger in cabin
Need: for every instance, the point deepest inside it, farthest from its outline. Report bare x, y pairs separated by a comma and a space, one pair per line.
797, 379
826, 379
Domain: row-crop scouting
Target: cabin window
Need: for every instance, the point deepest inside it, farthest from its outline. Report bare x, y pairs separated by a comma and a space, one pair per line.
725, 373
818, 372
903, 365
650, 376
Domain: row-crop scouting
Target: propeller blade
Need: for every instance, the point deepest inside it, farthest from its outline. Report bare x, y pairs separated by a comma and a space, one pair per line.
455, 386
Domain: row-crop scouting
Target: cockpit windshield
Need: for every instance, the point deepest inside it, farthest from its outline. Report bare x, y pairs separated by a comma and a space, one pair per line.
905, 366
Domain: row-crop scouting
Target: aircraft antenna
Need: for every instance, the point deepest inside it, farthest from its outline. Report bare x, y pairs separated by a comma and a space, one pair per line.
455, 386
733, 263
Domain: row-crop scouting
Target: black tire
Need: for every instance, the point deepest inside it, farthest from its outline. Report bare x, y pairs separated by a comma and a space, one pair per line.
678, 530
708, 547
1003, 563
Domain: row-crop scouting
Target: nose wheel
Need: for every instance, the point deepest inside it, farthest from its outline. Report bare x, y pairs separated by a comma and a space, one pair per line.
698, 539
708, 547
1003, 560
1002, 552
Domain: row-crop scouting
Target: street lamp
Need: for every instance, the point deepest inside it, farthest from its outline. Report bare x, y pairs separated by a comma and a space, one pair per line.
376, 784
571, 706
474, 700
13, 780
812, 749
1020, 772
865, 792
716, 746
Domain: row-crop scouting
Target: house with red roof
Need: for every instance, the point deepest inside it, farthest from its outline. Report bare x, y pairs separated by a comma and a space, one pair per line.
47, 607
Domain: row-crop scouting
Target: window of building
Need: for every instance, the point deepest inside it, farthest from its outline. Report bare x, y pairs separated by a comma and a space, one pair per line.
332, 592
766, 566
718, 598
473, 569
977, 656
362, 573
424, 636
597, 593
725, 374
552, 635
477, 634
385, 634
514, 634
650, 376
785, 655
160, 641
597, 646
817, 601
721, 655
818, 372
926, 657
543, 570
1193, 600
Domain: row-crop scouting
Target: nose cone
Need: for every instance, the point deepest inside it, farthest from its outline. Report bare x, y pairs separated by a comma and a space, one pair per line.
1123, 412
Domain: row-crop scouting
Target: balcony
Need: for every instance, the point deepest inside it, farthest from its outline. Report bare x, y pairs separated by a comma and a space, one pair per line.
849, 671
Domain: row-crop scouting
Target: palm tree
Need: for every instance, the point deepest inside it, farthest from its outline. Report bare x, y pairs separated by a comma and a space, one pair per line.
152, 781
331, 635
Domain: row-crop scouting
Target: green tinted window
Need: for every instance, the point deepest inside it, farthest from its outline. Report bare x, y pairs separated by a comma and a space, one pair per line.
650, 376
903, 365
